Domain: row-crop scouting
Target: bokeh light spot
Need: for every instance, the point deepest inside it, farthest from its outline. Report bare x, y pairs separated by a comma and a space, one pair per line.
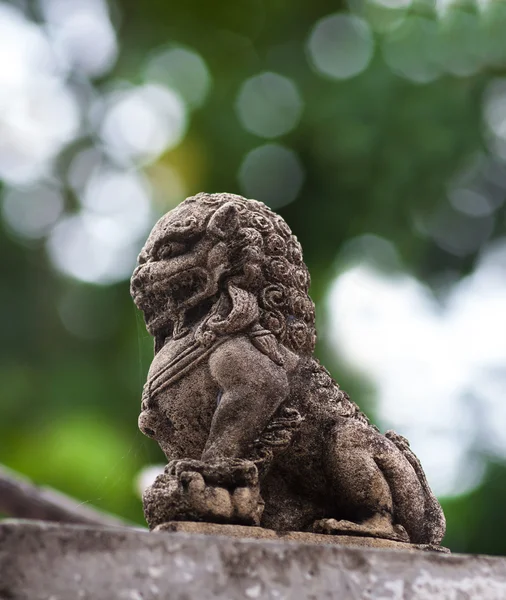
269, 105
471, 203
82, 33
121, 197
30, 212
340, 46
100, 244
78, 247
140, 123
183, 70
462, 44
411, 50
272, 174
393, 4
458, 233
384, 15
38, 112
494, 113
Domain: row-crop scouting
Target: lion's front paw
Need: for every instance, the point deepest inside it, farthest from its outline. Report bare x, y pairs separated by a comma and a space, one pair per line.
221, 492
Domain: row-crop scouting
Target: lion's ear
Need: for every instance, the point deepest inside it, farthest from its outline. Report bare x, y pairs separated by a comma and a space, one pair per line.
224, 221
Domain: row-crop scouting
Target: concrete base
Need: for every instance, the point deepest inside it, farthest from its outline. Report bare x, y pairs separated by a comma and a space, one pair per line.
259, 533
43, 561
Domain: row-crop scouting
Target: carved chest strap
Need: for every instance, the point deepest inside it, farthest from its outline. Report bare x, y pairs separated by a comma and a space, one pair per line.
181, 365
197, 351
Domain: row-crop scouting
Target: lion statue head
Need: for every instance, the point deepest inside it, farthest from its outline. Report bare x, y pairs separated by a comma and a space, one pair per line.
223, 263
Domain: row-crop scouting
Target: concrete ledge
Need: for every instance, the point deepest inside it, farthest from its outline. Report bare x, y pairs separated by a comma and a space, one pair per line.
49, 561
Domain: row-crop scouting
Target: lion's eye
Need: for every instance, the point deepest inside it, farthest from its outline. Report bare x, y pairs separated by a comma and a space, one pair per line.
171, 250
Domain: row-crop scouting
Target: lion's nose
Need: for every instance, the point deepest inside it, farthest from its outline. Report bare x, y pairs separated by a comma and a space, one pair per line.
136, 282
138, 277
143, 275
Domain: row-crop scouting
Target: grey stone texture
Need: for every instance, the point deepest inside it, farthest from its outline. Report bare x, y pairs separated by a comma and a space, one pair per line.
255, 430
48, 561
303, 537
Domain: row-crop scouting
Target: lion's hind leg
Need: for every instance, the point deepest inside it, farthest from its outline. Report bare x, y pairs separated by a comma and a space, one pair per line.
364, 470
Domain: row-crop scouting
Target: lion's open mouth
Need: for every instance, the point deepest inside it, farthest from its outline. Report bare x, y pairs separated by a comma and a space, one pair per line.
153, 294
162, 300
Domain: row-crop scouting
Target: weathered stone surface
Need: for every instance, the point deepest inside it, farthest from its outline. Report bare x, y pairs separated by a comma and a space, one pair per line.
302, 537
45, 561
255, 430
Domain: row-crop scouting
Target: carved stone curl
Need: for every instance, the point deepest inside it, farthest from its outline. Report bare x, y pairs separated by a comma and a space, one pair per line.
256, 431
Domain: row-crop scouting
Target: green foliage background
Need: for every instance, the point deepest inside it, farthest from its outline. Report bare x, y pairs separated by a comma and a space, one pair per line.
378, 151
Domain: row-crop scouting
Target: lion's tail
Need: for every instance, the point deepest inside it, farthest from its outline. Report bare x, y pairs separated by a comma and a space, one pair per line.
435, 522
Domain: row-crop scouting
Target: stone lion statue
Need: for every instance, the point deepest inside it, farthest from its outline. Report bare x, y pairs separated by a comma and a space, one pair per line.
255, 430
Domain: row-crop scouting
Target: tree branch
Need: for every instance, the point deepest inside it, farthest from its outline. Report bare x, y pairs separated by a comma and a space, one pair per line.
22, 499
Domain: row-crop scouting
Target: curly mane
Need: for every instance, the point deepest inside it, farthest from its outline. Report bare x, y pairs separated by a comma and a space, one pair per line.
266, 262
